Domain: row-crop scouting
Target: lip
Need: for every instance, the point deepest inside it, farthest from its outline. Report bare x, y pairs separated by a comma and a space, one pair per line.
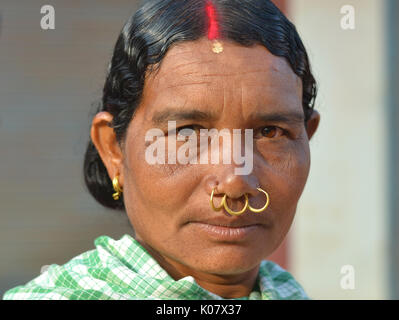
225, 232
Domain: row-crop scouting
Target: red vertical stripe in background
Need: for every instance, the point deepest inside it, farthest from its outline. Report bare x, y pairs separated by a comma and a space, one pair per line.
281, 255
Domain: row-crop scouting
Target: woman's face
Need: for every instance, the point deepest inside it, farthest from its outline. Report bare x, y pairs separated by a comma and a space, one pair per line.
168, 204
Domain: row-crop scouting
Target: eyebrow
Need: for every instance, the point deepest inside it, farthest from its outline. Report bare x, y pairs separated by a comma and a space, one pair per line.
292, 117
174, 114
160, 117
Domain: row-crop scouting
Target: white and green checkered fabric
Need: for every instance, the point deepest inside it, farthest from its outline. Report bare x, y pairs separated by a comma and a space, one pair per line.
123, 269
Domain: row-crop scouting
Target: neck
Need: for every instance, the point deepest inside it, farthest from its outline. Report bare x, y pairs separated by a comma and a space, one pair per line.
227, 286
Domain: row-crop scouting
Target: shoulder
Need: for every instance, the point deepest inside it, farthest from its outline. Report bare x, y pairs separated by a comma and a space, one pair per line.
90, 275
280, 282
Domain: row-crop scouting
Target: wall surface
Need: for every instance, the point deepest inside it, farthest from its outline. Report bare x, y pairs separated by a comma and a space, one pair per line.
342, 218
48, 81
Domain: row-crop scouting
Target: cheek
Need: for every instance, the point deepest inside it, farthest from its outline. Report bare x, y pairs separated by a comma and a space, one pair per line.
285, 167
170, 185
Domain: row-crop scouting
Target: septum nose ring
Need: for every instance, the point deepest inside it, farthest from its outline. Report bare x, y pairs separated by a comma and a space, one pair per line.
247, 205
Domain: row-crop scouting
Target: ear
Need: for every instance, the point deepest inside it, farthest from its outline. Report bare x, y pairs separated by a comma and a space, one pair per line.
104, 139
312, 124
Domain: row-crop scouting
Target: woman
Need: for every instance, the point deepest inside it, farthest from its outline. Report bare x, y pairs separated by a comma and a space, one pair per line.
202, 228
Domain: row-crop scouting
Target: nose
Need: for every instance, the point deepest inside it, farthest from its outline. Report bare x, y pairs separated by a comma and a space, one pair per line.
233, 185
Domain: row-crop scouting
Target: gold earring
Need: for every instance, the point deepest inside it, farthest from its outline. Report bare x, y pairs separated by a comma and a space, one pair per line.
264, 207
117, 188
224, 204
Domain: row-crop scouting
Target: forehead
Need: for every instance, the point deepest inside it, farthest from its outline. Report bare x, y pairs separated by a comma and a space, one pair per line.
192, 71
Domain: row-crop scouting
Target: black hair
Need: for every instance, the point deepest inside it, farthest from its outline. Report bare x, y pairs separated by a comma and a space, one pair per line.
153, 29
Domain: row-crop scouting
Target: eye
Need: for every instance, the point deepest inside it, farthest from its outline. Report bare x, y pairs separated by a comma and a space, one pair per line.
188, 130
271, 132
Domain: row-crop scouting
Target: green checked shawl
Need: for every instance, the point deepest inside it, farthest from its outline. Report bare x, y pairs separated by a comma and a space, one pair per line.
123, 269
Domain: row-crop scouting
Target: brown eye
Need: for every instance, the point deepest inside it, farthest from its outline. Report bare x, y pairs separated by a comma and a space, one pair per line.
271, 132
189, 130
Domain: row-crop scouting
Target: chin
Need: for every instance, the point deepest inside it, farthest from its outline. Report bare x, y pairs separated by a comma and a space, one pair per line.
227, 260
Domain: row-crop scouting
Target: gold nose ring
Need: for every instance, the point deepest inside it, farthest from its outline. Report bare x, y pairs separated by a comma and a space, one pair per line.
247, 205
226, 207
221, 204
265, 206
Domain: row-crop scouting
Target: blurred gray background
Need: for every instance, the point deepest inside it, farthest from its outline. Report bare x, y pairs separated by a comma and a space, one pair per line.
49, 80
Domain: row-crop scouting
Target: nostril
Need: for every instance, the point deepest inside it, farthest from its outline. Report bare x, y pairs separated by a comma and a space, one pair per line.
254, 192
211, 183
